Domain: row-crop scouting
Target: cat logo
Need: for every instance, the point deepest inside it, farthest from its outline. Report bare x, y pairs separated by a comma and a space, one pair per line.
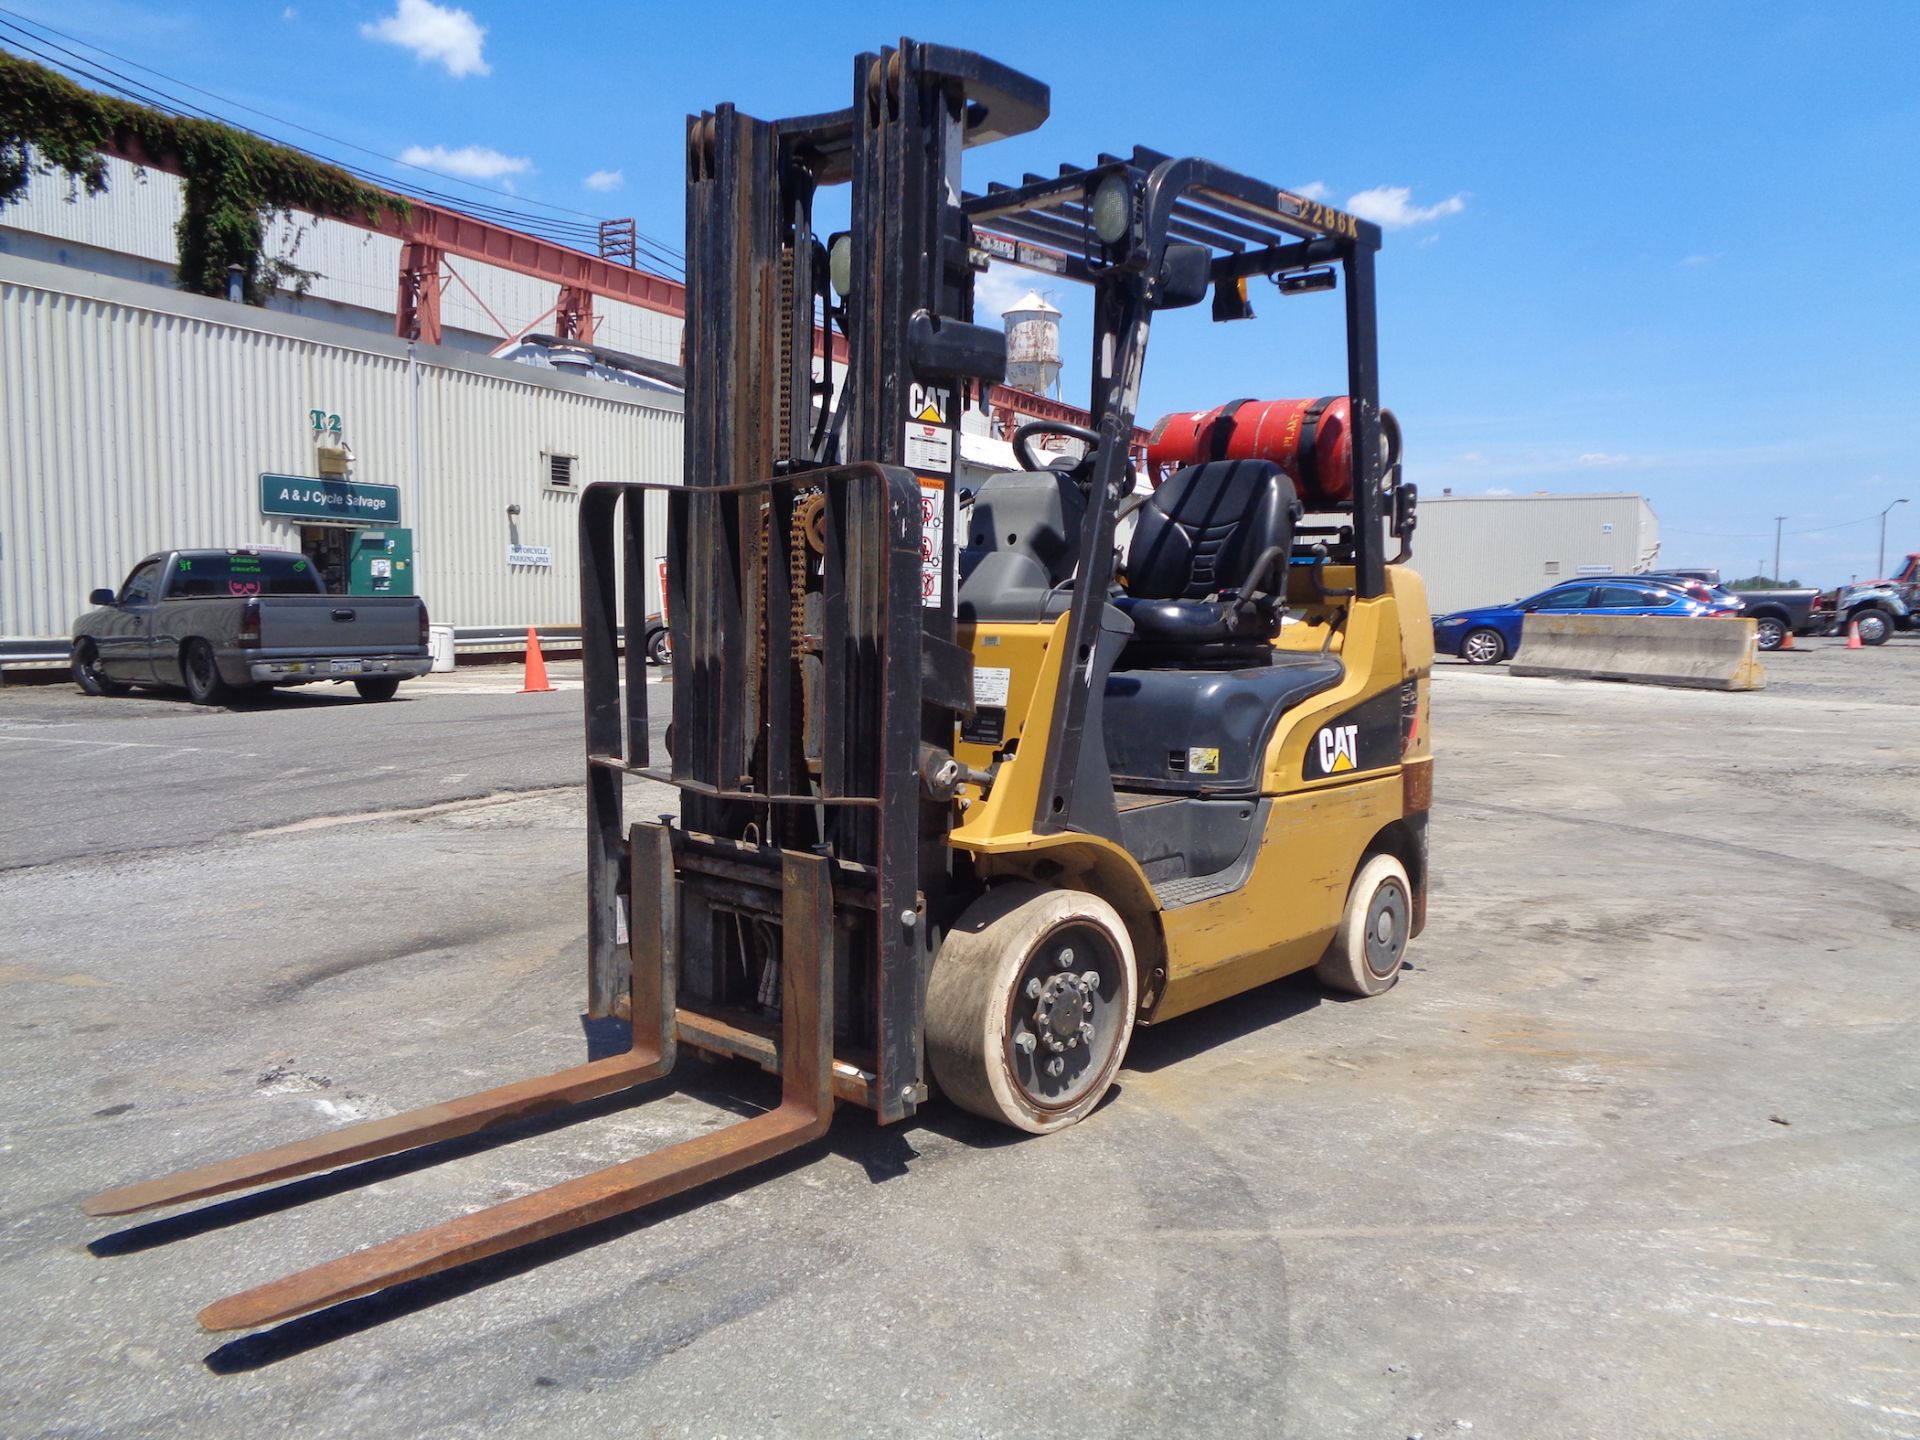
929, 404
1339, 748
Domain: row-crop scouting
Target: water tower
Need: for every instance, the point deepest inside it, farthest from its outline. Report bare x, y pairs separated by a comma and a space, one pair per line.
1033, 345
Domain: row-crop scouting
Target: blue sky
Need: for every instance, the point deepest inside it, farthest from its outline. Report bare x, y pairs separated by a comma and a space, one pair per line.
1656, 247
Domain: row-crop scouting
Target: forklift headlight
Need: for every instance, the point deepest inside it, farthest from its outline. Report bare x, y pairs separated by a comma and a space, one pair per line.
840, 264
1113, 209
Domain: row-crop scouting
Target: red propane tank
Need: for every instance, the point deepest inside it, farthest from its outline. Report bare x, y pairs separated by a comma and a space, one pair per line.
1309, 439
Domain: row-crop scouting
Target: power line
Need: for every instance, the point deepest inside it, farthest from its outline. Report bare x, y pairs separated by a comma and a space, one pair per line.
1768, 534
573, 233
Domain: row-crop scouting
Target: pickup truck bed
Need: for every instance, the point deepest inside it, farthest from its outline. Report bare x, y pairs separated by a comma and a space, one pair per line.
218, 621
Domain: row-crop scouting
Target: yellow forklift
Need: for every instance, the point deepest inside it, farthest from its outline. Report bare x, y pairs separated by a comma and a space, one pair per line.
966, 791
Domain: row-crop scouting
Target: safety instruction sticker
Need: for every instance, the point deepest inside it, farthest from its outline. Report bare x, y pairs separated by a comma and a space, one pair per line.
929, 447
933, 538
1203, 760
990, 686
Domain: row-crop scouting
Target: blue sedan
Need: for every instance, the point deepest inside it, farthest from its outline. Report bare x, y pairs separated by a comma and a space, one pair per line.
1491, 633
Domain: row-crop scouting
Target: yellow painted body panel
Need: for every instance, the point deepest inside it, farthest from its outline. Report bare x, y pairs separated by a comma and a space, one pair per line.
1317, 830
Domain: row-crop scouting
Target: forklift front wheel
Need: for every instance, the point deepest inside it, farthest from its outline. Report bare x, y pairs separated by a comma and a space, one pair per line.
1030, 1006
1365, 956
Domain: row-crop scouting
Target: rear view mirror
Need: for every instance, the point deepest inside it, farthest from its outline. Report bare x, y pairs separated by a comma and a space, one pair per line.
100, 597
1183, 276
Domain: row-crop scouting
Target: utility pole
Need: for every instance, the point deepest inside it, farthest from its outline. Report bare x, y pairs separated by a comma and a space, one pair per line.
1880, 569
1776, 547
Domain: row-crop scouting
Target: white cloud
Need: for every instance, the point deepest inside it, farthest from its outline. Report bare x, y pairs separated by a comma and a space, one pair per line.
605, 180
469, 162
1392, 207
289, 14
1315, 190
997, 290
439, 33
1703, 259
1600, 460
1473, 457
1496, 490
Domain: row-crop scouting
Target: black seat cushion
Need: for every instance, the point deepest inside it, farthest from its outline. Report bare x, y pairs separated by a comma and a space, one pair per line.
1198, 538
1197, 622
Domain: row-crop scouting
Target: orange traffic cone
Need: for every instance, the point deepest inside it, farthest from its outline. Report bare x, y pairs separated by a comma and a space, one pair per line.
1786, 640
1853, 635
536, 666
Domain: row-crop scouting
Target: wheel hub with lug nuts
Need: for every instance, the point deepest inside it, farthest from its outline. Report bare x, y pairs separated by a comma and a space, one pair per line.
1063, 1010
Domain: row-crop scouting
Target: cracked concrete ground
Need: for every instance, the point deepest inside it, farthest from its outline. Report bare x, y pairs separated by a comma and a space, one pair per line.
1632, 1150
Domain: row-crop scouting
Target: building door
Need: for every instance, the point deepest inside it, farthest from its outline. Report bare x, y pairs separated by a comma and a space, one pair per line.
330, 548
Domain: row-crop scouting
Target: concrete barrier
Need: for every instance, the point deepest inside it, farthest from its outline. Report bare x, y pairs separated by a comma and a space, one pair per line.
1702, 654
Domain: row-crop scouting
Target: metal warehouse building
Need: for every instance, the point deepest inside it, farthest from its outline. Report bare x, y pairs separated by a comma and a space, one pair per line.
135, 418
1485, 549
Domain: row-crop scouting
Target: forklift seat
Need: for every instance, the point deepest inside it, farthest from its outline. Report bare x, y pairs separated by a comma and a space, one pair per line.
1189, 571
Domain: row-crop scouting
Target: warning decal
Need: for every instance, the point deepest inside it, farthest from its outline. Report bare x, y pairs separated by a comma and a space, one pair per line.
933, 539
929, 447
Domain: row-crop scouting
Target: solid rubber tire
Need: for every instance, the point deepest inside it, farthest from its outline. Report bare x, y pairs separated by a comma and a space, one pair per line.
979, 961
1344, 966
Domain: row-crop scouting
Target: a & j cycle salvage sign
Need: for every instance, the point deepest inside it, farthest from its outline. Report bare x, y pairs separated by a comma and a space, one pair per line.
350, 501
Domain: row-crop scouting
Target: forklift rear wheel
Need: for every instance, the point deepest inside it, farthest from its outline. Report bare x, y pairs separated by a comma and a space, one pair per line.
1030, 1006
1364, 958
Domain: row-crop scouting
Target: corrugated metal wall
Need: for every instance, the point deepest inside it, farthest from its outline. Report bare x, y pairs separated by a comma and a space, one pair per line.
1485, 549
357, 268
137, 418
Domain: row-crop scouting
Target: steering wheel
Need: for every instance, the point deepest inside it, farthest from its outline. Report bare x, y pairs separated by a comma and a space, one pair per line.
1081, 474
1024, 453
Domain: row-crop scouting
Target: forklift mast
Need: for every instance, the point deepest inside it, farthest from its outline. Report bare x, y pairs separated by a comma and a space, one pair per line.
810, 584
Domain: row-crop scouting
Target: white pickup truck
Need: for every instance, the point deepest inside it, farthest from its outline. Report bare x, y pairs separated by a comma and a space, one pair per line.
220, 622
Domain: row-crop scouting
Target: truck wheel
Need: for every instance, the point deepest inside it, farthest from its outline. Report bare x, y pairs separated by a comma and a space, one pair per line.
380, 687
1483, 647
1769, 631
201, 675
1030, 1006
1874, 626
1364, 958
660, 647
88, 675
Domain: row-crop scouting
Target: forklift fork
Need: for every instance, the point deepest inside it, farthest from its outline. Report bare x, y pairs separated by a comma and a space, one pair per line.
804, 1113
